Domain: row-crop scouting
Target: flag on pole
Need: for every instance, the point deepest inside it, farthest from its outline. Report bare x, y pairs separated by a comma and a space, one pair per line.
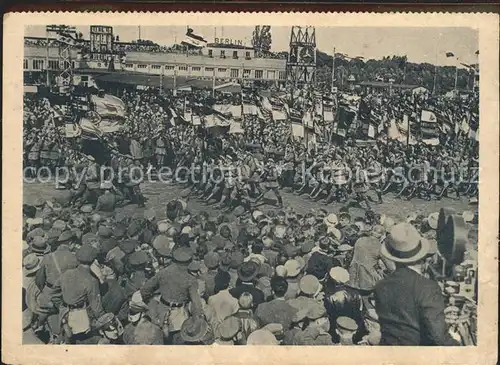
477, 52
194, 40
108, 106
450, 54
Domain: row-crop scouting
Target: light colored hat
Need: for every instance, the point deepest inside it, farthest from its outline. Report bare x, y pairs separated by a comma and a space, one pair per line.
163, 226
411, 217
309, 285
261, 337
256, 214
404, 244
331, 219
339, 274
86, 208
432, 220
106, 185
292, 268
281, 271
267, 241
335, 232
187, 230
388, 223
468, 216
149, 214
279, 231
31, 263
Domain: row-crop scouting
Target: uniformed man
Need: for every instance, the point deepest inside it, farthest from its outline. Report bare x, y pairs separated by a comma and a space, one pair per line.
176, 294
80, 294
110, 199
52, 267
270, 177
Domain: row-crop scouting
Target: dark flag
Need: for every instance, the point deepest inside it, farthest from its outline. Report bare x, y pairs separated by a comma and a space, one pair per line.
450, 54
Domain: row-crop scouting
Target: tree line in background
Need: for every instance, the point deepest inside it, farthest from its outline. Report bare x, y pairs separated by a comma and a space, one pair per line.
394, 69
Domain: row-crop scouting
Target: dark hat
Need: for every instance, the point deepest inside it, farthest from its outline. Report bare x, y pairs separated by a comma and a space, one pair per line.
194, 329
194, 266
104, 320
211, 260
128, 246
248, 271
347, 323
290, 250
307, 246
104, 231
225, 260
40, 245
53, 235
183, 254
163, 245
239, 211
88, 237
108, 244
138, 258
65, 236
86, 254
133, 228
119, 230
229, 328
237, 259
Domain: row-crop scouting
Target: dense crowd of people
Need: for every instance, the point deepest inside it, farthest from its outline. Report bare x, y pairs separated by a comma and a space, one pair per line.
93, 275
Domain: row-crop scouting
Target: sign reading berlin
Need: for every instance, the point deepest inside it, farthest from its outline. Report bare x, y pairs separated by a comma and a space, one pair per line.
229, 41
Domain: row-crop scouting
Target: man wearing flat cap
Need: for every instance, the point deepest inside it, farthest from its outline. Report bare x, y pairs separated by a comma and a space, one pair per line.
177, 288
410, 307
52, 267
80, 289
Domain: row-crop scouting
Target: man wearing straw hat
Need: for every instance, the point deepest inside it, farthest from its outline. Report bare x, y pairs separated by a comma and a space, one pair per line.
410, 307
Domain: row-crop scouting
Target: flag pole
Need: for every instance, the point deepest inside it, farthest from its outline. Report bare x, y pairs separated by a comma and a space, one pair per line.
333, 70
456, 75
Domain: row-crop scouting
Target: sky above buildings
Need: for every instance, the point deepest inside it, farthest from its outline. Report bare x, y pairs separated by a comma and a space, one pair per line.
419, 44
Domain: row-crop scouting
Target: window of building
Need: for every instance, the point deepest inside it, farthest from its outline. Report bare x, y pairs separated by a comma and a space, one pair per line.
282, 75
259, 74
235, 73
210, 53
25, 64
38, 64
221, 70
209, 69
247, 55
183, 68
222, 54
53, 64
73, 64
169, 67
142, 66
246, 73
270, 75
155, 67
129, 65
235, 54
195, 68
85, 78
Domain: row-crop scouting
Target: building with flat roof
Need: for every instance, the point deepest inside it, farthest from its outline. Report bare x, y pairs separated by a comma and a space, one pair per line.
219, 61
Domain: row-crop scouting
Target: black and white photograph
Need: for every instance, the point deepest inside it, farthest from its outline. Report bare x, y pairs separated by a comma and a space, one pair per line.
283, 185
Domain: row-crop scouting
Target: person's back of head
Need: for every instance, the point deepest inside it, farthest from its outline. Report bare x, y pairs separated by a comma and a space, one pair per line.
279, 285
222, 280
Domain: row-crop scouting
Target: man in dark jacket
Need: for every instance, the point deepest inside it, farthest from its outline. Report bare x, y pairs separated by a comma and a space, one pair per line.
410, 307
